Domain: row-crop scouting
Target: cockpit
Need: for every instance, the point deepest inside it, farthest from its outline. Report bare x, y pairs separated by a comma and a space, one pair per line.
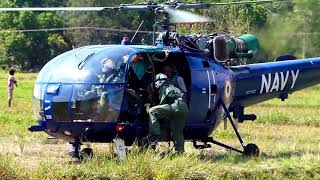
85, 84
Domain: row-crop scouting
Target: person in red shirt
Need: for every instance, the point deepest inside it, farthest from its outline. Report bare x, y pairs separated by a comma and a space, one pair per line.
11, 82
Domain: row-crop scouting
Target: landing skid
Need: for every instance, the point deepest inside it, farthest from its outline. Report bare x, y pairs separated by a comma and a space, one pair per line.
249, 150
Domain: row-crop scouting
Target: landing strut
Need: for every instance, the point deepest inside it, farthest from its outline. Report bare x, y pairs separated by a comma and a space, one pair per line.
248, 150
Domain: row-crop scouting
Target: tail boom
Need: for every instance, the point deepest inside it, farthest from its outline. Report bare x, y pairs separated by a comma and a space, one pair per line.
256, 83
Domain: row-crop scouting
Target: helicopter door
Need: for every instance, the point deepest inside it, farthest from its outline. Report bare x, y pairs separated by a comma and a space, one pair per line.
201, 92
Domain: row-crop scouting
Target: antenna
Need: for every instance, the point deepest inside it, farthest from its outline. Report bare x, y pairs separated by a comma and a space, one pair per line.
137, 31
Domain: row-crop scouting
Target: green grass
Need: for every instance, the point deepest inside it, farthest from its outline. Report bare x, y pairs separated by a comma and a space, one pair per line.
287, 134
302, 108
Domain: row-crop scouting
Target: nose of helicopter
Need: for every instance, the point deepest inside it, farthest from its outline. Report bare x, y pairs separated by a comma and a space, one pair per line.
82, 85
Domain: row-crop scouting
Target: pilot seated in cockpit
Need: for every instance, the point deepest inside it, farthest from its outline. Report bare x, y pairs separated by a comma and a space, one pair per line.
110, 96
110, 73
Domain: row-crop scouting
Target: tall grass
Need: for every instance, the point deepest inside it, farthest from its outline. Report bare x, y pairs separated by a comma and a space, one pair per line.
287, 134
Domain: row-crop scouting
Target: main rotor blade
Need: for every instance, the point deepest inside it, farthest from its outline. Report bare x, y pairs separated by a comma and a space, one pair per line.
184, 17
75, 28
56, 9
128, 7
137, 7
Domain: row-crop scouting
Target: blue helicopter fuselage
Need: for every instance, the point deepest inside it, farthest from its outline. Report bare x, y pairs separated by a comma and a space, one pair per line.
73, 78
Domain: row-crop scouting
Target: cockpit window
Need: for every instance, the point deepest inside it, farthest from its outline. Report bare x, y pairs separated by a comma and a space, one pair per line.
87, 65
97, 102
89, 83
109, 65
64, 68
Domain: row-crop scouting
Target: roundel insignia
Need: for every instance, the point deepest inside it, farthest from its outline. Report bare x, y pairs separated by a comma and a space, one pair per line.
228, 92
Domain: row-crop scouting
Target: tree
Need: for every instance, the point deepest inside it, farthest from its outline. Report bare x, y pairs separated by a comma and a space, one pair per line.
106, 19
295, 31
29, 49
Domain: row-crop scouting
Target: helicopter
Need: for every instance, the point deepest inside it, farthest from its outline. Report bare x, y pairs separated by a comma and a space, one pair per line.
97, 93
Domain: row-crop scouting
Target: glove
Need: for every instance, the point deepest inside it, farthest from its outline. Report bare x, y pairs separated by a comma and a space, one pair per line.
147, 105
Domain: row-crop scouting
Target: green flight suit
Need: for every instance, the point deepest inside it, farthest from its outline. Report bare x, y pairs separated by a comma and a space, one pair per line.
172, 108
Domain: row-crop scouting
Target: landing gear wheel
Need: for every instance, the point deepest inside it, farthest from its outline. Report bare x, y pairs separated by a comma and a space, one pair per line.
251, 150
86, 153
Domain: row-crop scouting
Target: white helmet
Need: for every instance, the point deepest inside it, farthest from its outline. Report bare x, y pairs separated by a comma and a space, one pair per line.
107, 65
160, 79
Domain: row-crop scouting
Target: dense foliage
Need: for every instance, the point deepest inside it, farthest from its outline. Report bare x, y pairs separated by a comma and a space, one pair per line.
283, 28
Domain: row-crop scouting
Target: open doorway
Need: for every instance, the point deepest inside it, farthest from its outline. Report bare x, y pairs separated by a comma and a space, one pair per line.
142, 71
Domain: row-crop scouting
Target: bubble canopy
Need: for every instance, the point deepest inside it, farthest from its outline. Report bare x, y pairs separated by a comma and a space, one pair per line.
85, 83
85, 65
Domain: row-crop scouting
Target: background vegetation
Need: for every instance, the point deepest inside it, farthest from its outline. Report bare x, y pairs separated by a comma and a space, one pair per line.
286, 27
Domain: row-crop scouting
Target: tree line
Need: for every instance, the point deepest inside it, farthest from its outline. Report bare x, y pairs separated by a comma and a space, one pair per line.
289, 27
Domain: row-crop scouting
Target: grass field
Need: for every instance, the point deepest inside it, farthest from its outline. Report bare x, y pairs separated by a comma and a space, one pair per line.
287, 134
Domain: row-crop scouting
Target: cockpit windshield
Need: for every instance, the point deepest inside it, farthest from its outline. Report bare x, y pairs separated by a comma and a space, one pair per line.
83, 88
109, 65
94, 65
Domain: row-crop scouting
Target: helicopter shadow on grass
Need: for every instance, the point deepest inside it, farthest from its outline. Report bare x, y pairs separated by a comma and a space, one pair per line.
97, 158
289, 154
239, 158
212, 156
289, 106
111, 155
208, 157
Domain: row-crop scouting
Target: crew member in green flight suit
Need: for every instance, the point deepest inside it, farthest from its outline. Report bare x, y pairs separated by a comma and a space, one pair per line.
172, 107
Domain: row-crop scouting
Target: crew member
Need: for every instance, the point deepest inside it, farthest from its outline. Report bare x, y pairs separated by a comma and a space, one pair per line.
125, 40
177, 81
172, 107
